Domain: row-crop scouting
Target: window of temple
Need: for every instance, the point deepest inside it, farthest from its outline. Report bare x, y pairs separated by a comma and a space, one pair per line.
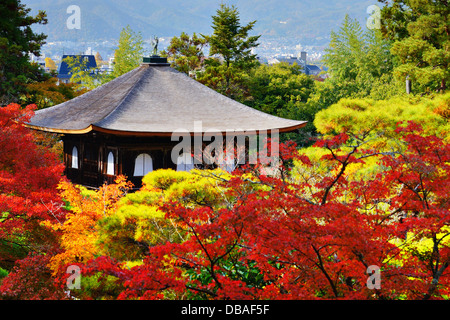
185, 162
110, 164
74, 163
143, 165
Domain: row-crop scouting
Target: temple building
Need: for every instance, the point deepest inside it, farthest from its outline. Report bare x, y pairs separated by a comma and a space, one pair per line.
126, 125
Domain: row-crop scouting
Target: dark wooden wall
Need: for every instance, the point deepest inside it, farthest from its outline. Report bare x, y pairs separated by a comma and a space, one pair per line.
93, 150
94, 147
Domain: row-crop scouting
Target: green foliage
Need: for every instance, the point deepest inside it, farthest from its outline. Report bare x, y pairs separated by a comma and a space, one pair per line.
197, 187
129, 53
236, 267
360, 65
342, 56
3, 273
376, 123
139, 222
232, 43
231, 40
366, 116
117, 237
229, 81
98, 287
48, 93
186, 53
128, 56
13, 246
17, 41
421, 34
283, 90
86, 77
274, 87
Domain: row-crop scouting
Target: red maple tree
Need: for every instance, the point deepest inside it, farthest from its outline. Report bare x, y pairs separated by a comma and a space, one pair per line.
282, 238
29, 175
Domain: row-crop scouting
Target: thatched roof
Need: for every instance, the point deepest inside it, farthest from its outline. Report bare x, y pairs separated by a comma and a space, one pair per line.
155, 100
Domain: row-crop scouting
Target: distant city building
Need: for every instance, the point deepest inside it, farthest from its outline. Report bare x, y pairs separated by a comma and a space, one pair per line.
89, 52
303, 56
312, 70
289, 60
64, 72
40, 60
308, 69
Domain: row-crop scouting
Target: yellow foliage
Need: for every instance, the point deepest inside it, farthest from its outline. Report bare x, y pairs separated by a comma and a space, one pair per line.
145, 217
376, 121
442, 107
139, 222
49, 63
323, 167
380, 118
110, 221
424, 245
194, 187
163, 179
419, 245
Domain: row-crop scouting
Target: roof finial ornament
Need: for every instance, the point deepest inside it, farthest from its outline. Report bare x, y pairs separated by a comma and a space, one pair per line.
155, 42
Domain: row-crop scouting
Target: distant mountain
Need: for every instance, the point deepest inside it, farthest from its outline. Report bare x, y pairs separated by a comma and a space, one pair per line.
104, 19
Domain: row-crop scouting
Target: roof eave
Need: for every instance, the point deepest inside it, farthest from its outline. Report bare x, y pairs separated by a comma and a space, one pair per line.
147, 133
169, 134
60, 131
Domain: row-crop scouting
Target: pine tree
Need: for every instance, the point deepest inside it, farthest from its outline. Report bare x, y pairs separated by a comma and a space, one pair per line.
232, 43
230, 39
186, 53
357, 59
17, 41
421, 33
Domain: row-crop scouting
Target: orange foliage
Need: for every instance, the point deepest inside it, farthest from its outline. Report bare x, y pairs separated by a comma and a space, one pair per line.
86, 208
48, 93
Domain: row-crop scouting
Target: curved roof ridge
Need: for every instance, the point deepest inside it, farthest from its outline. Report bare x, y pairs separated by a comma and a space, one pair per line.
220, 96
141, 68
156, 100
94, 91
46, 114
